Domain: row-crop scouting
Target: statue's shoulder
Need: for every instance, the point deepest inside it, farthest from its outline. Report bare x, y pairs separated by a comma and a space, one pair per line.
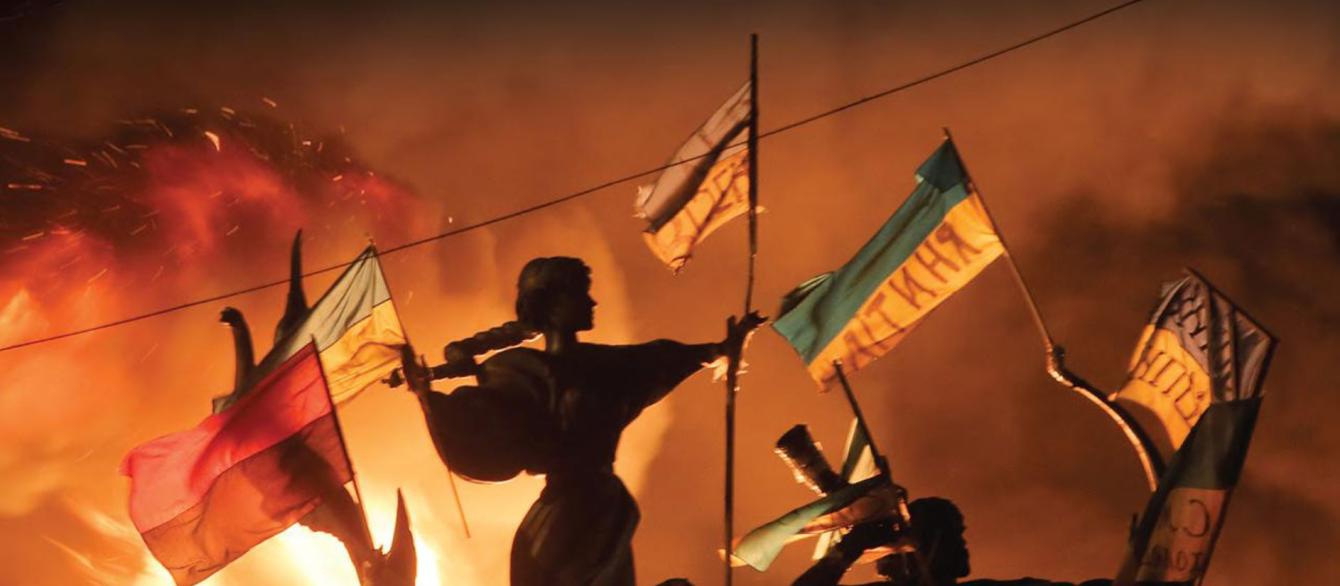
526, 363
519, 355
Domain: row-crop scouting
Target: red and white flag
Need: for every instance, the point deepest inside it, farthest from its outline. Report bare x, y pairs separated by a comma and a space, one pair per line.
201, 498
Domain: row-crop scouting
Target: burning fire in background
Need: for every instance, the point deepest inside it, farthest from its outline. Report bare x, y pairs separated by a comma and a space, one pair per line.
171, 207
1191, 133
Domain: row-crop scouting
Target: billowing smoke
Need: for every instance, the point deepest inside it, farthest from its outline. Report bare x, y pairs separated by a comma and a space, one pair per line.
1257, 212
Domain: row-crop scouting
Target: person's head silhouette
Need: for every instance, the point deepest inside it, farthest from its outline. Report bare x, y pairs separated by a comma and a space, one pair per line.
937, 528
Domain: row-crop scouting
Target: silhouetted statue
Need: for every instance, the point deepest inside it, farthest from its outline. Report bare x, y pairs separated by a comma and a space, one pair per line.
558, 412
338, 514
937, 531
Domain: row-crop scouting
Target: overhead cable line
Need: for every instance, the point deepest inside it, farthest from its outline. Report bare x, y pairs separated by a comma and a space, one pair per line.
607, 184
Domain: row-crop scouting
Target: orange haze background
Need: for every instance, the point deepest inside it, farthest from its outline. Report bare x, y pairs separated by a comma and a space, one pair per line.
1174, 133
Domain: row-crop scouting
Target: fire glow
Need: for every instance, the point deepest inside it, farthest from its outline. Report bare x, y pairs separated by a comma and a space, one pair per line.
183, 206
159, 211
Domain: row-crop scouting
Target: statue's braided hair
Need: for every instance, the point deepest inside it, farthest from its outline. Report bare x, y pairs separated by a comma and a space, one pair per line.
504, 336
539, 279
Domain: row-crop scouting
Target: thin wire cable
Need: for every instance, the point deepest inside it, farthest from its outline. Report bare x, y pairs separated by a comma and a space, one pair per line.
607, 184
955, 69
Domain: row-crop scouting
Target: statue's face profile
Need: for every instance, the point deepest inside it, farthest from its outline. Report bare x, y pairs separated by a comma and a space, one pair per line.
555, 294
573, 309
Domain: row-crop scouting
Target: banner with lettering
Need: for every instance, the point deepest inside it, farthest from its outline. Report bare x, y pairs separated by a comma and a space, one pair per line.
1176, 534
1197, 349
689, 201
932, 246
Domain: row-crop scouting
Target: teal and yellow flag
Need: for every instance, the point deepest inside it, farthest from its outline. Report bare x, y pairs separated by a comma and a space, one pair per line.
931, 247
834, 510
1197, 349
689, 201
357, 332
864, 495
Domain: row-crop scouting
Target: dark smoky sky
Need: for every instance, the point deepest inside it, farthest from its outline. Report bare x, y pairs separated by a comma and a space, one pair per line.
1174, 133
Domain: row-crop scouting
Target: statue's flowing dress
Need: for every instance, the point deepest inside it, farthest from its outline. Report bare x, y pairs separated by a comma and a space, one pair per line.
580, 530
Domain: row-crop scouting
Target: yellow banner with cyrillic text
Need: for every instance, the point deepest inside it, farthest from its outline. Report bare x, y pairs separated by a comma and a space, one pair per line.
952, 254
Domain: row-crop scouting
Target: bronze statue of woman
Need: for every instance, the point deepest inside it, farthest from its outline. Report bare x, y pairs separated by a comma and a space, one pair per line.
558, 412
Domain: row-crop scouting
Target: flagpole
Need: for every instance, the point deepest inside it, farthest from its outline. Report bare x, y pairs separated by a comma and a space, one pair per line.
734, 358
753, 170
344, 445
883, 465
880, 462
1145, 451
1014, 268
1151, 462
432, 433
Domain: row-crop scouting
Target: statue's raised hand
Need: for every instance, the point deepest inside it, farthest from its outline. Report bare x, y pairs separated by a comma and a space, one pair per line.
738, 330
411, 371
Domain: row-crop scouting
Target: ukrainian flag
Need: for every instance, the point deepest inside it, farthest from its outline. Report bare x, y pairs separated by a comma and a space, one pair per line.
687, 202
931, 247
1197, 372
357, 331
1198, 349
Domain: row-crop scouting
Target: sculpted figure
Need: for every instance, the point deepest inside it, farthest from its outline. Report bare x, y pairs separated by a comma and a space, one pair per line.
558, 412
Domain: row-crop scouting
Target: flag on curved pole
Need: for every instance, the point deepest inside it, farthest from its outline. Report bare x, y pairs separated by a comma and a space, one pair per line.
1198, 349
1197, 376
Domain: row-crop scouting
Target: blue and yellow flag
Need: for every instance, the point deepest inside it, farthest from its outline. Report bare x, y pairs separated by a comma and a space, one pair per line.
931, 247
1197, 349
689, 201
1196, 378
356, 329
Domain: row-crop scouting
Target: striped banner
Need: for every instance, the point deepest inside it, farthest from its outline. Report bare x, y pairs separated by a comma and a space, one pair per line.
688, 202
201, 498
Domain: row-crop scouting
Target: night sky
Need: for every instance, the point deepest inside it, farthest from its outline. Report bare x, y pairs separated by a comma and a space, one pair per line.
1169, 134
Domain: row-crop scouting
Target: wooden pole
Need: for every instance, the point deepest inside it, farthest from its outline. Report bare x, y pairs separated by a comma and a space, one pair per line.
736, 354
419, 394
344, 446
924, 577
1150, 461
1014, 268
880, 462
753, 170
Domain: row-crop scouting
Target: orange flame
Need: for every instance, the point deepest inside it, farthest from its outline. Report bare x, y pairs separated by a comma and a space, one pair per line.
216, 218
